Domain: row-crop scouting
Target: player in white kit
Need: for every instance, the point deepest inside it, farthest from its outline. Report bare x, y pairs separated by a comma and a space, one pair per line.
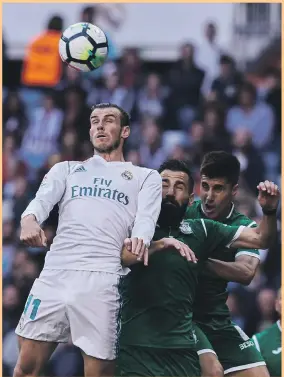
104, 204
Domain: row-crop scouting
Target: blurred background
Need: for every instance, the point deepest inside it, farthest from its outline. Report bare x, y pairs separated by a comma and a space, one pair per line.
207, 78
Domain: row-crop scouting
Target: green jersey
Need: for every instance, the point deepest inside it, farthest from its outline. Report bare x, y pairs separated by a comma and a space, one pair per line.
158, 299
268, 343
210, 304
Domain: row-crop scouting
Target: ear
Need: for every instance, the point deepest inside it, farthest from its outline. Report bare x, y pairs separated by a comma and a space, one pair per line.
191, 199
235, 190
125, 132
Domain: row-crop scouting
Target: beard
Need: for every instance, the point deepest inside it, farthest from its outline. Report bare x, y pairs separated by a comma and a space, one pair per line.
108, 148
171, 213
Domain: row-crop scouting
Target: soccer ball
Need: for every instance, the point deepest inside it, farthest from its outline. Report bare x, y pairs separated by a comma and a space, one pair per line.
83, 46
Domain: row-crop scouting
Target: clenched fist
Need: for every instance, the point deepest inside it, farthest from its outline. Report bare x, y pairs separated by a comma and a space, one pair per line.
268, 196
31, 232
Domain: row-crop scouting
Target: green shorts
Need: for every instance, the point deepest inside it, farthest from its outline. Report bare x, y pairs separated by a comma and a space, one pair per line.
145, 361
235, 350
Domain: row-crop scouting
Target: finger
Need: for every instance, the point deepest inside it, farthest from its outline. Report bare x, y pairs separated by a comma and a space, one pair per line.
193, 256
34, 240
268, 186
134, 242
136, 246
141, 249
146, 257
273, 188
261, 186
43, 238
128, 244
190, 256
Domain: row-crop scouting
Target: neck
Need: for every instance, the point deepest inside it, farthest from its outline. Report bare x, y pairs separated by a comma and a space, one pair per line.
225, 213
116, 155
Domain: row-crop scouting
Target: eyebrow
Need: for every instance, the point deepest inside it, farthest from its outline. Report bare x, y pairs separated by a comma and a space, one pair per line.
178, 182
107, 115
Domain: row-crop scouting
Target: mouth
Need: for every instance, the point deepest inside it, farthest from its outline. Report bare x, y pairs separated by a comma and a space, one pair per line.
101, 137
209, 208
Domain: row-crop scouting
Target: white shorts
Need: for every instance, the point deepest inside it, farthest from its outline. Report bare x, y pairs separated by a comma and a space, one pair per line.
82, 305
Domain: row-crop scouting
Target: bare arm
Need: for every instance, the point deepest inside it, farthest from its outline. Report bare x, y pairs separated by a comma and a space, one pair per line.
262, 236
242, 270
128, 258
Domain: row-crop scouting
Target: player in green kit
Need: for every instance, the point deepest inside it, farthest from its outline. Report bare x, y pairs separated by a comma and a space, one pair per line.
156, 337
215, 331
268, 343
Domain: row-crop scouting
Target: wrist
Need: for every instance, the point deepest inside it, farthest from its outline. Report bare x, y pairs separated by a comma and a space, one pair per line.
269, 211
28, 218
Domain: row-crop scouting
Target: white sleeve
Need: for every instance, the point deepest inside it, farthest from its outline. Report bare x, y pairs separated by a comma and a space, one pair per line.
49, 193
149, 206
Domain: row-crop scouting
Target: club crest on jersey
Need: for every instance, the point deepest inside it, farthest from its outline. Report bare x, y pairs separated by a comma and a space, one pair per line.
185, 228
127, 175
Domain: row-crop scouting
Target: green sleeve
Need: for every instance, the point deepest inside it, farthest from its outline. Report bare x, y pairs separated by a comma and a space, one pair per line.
250, 252
219, 235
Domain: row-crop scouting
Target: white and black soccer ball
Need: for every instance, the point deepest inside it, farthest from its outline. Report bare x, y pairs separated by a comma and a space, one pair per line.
83, 46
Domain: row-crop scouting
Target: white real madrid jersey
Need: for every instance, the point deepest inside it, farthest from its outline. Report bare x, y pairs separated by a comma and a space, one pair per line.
100, 204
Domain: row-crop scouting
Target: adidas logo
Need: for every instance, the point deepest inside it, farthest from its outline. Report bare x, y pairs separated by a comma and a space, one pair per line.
81, 168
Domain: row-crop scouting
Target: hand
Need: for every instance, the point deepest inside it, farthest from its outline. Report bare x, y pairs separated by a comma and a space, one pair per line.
31, 233
268, 196
183, 249
137, 247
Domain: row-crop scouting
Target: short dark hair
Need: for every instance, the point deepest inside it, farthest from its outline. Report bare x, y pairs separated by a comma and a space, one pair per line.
220, 164
178, 165
55, 23
124, 116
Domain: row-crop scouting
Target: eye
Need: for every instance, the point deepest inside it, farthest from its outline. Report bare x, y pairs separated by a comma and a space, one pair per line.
205, 186
218, 189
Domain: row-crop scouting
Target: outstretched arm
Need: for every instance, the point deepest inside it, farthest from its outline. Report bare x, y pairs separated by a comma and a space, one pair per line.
129, 259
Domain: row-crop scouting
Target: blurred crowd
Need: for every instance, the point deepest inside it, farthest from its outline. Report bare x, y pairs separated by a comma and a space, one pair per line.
202, 103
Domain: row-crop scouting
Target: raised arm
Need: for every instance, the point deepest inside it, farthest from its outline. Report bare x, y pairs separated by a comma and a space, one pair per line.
148, 210
262, 236
49, 193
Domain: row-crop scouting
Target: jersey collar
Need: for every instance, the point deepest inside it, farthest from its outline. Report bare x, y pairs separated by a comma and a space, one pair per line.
99, 158
279, 325
227, 217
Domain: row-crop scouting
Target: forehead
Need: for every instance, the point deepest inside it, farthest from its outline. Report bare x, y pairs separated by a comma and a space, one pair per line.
100, 113
214, 181
175, 176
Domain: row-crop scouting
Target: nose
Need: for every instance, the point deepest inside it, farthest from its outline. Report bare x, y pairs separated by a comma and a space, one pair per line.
209, 196
100, 126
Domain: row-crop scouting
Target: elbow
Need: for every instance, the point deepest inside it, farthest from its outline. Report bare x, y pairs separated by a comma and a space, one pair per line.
247, 277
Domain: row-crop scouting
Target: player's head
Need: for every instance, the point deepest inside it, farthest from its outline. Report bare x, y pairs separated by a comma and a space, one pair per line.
177, 191
219, 173
278, 302
109, 127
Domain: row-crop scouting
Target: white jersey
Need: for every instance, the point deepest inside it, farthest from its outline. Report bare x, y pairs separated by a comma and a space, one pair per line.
100, 204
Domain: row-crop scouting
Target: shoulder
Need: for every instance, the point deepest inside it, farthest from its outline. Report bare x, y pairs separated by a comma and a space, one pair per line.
193, 209
263, 335
240, 219
145, 175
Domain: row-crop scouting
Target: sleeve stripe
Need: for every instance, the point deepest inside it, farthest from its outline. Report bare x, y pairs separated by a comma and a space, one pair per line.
254, 338
247, 253
236, 236
204, 226
146, 179
251, 224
